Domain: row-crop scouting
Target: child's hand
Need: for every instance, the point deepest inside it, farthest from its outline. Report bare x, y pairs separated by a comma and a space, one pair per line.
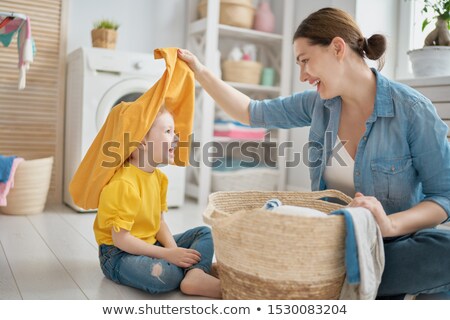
190, 59
182, 257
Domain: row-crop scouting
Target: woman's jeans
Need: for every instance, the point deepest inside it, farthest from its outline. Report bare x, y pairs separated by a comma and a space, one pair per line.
151, 274
417, 263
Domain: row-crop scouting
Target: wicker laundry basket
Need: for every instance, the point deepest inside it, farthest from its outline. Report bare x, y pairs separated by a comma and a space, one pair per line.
262, 255
31, 185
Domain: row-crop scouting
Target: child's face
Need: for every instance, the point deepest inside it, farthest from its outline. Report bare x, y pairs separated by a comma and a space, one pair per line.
161, 140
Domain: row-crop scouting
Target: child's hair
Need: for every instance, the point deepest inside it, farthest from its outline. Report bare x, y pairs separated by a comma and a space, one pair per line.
161, 111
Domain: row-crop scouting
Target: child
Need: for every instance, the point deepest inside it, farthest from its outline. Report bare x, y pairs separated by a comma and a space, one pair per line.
137, 248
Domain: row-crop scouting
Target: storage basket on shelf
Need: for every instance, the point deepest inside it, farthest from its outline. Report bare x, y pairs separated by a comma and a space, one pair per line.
238, 13
244, 71
31, 184
263, 255
263, 179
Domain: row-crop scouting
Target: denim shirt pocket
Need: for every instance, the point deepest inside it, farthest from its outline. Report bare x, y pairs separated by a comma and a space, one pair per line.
393, 179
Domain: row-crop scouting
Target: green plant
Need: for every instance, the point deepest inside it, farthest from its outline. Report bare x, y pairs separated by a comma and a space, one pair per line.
440, 10
107, 24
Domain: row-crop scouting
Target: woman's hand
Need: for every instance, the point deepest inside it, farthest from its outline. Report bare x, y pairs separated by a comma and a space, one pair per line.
182, 257
191, 60
373, 205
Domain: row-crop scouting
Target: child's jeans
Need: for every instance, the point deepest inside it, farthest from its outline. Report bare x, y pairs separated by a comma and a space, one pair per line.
151, 274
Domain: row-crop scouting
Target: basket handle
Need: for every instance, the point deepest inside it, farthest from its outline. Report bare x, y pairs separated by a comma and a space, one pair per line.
331, 193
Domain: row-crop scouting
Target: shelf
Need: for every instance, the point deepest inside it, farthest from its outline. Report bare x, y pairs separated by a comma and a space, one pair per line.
254, 87
229, 140
199, 26
207, 38
249, 87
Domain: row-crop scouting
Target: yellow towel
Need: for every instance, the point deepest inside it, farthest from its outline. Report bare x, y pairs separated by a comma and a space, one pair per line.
127, 125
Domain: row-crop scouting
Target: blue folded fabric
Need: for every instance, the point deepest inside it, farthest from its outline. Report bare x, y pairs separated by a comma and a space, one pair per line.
5, 167
272, 204
351, 251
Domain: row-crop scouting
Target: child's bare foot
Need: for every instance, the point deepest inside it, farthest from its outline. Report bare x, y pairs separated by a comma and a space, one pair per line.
198, 283
215, 270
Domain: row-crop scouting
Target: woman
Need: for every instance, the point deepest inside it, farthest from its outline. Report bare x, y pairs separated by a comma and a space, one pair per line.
396, 145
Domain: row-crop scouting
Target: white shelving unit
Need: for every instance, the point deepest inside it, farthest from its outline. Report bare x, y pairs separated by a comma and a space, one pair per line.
206, 38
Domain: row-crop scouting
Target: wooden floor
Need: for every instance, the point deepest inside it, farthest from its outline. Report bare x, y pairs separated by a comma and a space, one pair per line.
54, 255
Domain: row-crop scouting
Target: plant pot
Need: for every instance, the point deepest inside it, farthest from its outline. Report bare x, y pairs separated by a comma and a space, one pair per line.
432, 61
31, 184
104, 38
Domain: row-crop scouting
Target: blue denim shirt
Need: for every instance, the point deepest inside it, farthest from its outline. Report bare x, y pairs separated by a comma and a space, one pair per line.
403, 157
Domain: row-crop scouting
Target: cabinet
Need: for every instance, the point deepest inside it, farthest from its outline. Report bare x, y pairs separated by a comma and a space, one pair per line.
211, 42
437, 89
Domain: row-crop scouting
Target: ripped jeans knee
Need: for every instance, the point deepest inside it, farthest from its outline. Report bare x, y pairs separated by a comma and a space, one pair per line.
149, 274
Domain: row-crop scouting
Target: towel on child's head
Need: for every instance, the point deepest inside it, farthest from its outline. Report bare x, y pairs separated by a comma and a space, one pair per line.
127, 125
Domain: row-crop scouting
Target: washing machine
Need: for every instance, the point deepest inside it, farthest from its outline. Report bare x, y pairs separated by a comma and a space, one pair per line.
97, 80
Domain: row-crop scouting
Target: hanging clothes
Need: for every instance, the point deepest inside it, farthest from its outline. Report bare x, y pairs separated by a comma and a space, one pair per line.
127, 124
10, 24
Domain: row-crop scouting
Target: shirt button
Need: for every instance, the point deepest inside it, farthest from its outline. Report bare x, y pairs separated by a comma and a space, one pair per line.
357, 173
365, 138
392, 168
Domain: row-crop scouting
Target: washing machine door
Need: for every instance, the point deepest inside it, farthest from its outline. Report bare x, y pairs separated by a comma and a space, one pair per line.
126, 90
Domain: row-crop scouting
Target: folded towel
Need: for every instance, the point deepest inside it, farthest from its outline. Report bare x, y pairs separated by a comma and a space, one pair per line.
5, 167
5, 187
276, 206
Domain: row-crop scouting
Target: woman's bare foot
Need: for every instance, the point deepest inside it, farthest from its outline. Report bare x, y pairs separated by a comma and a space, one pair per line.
198, 283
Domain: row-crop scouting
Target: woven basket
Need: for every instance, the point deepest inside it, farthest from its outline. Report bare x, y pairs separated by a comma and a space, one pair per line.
266, 256
238, 13
104, 38
242, 71
31, 184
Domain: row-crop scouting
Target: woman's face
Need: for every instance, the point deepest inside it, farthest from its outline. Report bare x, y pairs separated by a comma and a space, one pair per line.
319, 66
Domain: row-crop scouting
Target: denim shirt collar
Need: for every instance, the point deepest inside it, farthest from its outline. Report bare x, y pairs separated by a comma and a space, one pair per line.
384, 104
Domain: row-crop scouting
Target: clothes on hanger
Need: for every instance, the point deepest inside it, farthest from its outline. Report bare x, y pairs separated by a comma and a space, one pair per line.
10, 24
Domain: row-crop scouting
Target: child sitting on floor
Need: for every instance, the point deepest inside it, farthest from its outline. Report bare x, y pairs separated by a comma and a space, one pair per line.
137, 248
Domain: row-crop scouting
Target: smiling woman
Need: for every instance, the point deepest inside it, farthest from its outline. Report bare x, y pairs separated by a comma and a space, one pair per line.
395, 142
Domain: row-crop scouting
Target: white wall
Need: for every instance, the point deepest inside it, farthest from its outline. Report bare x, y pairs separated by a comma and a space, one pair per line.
144, 24
382, 17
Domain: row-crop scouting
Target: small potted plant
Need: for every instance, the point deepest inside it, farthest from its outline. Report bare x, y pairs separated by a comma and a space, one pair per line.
104, 34
434, 58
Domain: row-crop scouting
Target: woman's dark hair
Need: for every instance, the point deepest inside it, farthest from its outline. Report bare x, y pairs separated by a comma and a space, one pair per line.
322, 26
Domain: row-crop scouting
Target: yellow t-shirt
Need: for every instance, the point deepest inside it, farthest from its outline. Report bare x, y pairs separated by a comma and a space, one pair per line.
132, 200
